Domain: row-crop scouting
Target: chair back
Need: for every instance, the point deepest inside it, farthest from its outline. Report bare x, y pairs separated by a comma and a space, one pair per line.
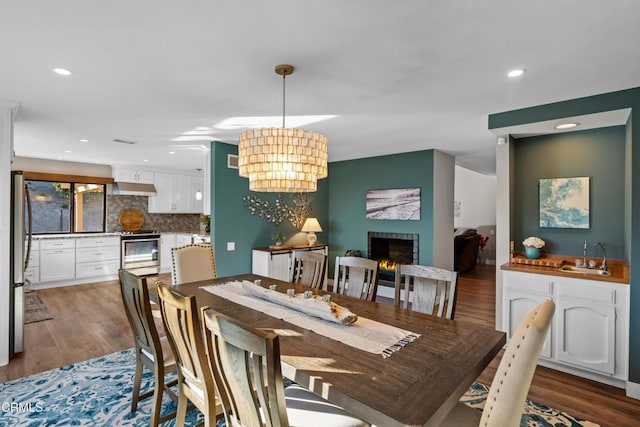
434, 289
508, 392
181, 323
246, 365
308, 268
137, 306
192, 263
356, 277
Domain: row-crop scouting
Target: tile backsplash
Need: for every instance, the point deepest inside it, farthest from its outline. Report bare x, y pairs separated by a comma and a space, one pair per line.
162, 222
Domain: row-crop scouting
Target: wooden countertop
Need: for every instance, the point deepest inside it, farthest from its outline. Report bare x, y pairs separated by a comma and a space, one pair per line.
619, 269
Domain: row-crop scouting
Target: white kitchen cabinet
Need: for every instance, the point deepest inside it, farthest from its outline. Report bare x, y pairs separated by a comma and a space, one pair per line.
127, 174
183, 239
588, 336
57, 260
176, 193
167, 242
276, 263
97, 256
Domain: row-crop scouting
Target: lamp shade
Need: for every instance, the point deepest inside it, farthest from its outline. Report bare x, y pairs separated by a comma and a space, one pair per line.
311, 225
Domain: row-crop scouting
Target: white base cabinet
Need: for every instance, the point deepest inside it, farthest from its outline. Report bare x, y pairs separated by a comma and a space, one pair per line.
57, 260
588, 335
276, 263
97, 257
167, 242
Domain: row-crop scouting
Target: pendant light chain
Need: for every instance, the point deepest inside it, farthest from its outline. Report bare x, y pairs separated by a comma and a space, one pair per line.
284, 76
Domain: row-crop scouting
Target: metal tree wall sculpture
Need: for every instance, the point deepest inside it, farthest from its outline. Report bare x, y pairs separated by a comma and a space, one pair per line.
295, 212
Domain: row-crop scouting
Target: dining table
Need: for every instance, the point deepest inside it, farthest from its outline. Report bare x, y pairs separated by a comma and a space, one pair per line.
417, 385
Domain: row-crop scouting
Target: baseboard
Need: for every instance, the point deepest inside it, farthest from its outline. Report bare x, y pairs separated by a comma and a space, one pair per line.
633, 390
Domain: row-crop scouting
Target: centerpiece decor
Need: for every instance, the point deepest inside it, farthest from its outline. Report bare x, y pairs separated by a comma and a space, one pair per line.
532, 246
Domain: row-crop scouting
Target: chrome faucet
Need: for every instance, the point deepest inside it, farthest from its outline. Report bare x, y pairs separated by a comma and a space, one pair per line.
603, 266
584, 254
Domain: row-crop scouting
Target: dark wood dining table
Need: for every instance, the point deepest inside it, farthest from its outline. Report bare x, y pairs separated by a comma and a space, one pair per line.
416, 386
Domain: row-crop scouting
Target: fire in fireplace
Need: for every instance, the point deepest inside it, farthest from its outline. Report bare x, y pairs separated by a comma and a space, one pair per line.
390, 249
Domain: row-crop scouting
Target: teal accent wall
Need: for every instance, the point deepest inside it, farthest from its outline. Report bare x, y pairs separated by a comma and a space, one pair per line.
629, 98
348, 184
598, 154
231, 222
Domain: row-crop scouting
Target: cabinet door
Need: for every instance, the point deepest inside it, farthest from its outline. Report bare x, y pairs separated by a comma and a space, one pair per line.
163, 202
516, 306
57, 264
167, 241
182, 193
133, 175
586, 334
279, 266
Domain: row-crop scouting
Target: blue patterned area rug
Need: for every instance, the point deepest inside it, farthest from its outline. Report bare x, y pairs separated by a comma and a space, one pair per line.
98, 393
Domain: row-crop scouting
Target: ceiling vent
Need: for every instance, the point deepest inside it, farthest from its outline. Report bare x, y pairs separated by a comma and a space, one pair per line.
124, 141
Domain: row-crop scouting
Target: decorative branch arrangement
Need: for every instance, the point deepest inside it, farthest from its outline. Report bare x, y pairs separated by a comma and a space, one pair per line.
295, 212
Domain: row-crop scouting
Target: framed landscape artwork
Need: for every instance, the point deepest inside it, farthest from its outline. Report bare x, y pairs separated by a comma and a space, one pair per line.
564, 202
399, 204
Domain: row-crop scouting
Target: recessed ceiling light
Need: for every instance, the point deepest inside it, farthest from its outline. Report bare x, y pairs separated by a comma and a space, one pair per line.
145, 160
518, 72
68, 151
172, 152
83, 140
566, 126
62, 71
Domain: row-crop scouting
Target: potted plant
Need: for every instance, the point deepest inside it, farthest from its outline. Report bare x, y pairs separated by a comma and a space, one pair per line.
279, 238
206, 220
532, 246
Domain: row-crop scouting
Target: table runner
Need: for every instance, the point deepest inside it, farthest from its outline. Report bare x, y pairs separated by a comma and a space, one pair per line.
365, 334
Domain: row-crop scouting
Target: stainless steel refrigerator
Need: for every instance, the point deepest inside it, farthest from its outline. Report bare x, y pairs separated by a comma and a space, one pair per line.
19, 259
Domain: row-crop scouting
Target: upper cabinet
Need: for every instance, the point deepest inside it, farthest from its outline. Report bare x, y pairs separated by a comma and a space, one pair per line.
176, 193
131, 174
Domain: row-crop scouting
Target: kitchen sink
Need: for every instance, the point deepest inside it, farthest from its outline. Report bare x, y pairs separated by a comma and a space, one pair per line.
585, 271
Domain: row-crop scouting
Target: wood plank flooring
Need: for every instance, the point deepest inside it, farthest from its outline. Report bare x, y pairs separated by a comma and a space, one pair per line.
89, 321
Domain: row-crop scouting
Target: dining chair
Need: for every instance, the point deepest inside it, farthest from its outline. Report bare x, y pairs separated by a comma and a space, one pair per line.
308, 268
192, 263
195, 380
151, 350
246, 364
505, 402
434, 289
356, 277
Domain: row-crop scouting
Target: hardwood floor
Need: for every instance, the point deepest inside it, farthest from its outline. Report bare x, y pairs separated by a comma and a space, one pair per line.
89, 322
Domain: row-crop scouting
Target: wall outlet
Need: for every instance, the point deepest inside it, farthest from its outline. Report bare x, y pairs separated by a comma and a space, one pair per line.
231, 246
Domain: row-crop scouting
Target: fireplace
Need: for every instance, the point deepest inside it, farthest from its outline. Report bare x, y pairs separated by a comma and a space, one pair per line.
390, 249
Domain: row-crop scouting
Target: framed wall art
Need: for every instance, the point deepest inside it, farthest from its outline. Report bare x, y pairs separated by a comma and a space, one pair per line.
398, 204
564, 202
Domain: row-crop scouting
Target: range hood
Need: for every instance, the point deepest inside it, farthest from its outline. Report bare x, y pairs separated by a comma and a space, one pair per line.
134, 189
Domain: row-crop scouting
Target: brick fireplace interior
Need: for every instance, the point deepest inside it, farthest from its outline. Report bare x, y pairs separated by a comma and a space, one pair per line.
390, 249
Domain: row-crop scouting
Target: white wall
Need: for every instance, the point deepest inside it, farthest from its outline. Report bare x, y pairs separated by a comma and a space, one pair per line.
477, 196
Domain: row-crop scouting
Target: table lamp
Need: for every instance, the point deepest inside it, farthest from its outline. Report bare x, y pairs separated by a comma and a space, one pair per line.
311, 225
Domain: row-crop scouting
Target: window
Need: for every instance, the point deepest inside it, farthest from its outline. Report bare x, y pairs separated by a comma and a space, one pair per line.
67, 207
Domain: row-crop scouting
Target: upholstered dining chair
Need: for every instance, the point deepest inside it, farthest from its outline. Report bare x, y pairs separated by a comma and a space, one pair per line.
434, 289
192, 263
506, 399
246, 365
151, 350
195, 380
356, 277
308, 268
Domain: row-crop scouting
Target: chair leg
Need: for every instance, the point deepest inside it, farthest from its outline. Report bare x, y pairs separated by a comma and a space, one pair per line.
157, 396
137, 379
181, 413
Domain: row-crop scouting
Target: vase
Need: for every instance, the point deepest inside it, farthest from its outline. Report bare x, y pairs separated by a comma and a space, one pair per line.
531, 252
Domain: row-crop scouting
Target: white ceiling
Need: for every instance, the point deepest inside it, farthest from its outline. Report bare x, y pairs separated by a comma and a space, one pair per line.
399, 75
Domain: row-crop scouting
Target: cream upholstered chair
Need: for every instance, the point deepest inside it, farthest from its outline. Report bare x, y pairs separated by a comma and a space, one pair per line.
434, 289
505, 403
151, 350
195, 380
246, 365
308, 268
356, 277
192, 263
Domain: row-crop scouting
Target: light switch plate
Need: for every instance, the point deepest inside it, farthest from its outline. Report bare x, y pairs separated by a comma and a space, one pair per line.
231, 246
